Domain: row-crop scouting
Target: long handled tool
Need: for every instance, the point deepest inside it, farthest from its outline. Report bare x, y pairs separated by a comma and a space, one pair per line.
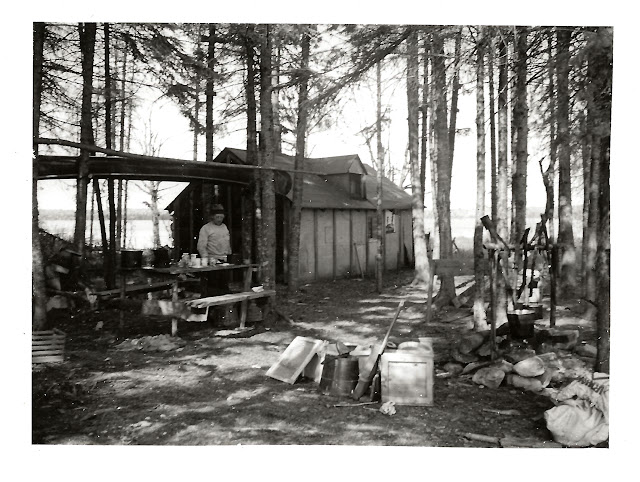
371, 364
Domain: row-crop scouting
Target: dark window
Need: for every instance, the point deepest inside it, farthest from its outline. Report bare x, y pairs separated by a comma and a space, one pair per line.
356, 188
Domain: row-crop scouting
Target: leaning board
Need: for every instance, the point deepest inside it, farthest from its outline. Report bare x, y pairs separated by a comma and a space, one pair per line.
293, 360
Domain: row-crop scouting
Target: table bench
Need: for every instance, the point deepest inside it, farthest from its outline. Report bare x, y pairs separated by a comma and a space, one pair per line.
229, 299
134, 289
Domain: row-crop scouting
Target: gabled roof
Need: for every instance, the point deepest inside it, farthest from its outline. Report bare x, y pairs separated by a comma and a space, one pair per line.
318, 192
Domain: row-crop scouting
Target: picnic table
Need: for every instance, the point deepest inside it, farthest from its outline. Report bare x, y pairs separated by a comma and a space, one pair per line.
243, 297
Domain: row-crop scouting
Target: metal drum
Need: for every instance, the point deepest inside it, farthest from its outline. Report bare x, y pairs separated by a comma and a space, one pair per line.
339, 376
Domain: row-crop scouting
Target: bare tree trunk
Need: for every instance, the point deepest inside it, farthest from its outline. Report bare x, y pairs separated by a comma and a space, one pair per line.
301, 138
502, 175
492, 134
601, 61
521, 132
447, 286
267, 154
590, 239
455, 89
155, 212
251, 208
207, 187
479, 313
380, 167
424, 111
121, 182
422, 268
87, 34
111, 272
548, 175
433, 158
103, 232
565, 214
277, 126
39, 315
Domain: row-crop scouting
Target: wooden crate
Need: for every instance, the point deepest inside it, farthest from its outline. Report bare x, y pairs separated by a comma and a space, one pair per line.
47, 346
407, 377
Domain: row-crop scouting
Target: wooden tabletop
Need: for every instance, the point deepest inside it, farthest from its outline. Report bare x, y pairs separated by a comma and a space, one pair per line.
203, 269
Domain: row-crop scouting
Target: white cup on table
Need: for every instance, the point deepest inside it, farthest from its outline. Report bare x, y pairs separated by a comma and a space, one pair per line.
196, 262
204, 262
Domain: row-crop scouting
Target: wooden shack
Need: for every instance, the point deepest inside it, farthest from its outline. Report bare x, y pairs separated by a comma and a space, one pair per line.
338, 224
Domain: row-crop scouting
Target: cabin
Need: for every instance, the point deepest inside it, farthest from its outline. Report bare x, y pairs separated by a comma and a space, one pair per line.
338, 223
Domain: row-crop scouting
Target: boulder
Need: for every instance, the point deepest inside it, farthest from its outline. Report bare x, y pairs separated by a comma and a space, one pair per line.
558, 338
531, 384
515, 356
453, 368
484, 350
462, 357
550, 360
503, 365
470, 342
489, 377
586, 350
530, 367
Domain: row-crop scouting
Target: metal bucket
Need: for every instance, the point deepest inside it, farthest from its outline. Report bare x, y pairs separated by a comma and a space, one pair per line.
161, 258
130, 259
521, 323
339, 376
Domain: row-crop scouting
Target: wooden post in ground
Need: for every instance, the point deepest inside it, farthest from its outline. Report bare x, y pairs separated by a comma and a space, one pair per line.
123, 293
553, 271
493, 277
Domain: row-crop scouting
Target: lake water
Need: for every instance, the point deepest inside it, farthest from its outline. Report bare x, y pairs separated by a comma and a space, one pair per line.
139, 231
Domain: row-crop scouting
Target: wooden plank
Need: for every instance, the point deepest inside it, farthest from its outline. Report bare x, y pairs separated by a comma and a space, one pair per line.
47, 346
47, 359
133, 289
297, 355
49, 339
230, 298
47, 352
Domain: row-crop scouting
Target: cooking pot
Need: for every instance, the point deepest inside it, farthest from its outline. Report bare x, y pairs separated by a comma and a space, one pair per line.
130, 259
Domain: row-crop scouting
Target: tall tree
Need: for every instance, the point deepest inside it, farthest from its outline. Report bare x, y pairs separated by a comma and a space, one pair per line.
479, 313
87, 32
422, 268
267, 155
444, 166
110, 259
521, 125
502, 174
207, 187
600, 75
565, 214
424, 111
455, 90
39, 317
548, 174
251, 210
301, 138
492, 131
380, 169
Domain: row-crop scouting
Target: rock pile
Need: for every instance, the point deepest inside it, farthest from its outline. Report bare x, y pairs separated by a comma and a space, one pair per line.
553, 357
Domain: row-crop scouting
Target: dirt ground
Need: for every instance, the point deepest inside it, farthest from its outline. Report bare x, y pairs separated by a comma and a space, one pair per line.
213, 390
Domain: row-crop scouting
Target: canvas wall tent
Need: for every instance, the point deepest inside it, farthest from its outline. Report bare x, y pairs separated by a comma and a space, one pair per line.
338, 225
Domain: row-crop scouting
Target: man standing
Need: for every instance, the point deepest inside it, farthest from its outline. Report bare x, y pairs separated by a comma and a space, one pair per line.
214, 242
